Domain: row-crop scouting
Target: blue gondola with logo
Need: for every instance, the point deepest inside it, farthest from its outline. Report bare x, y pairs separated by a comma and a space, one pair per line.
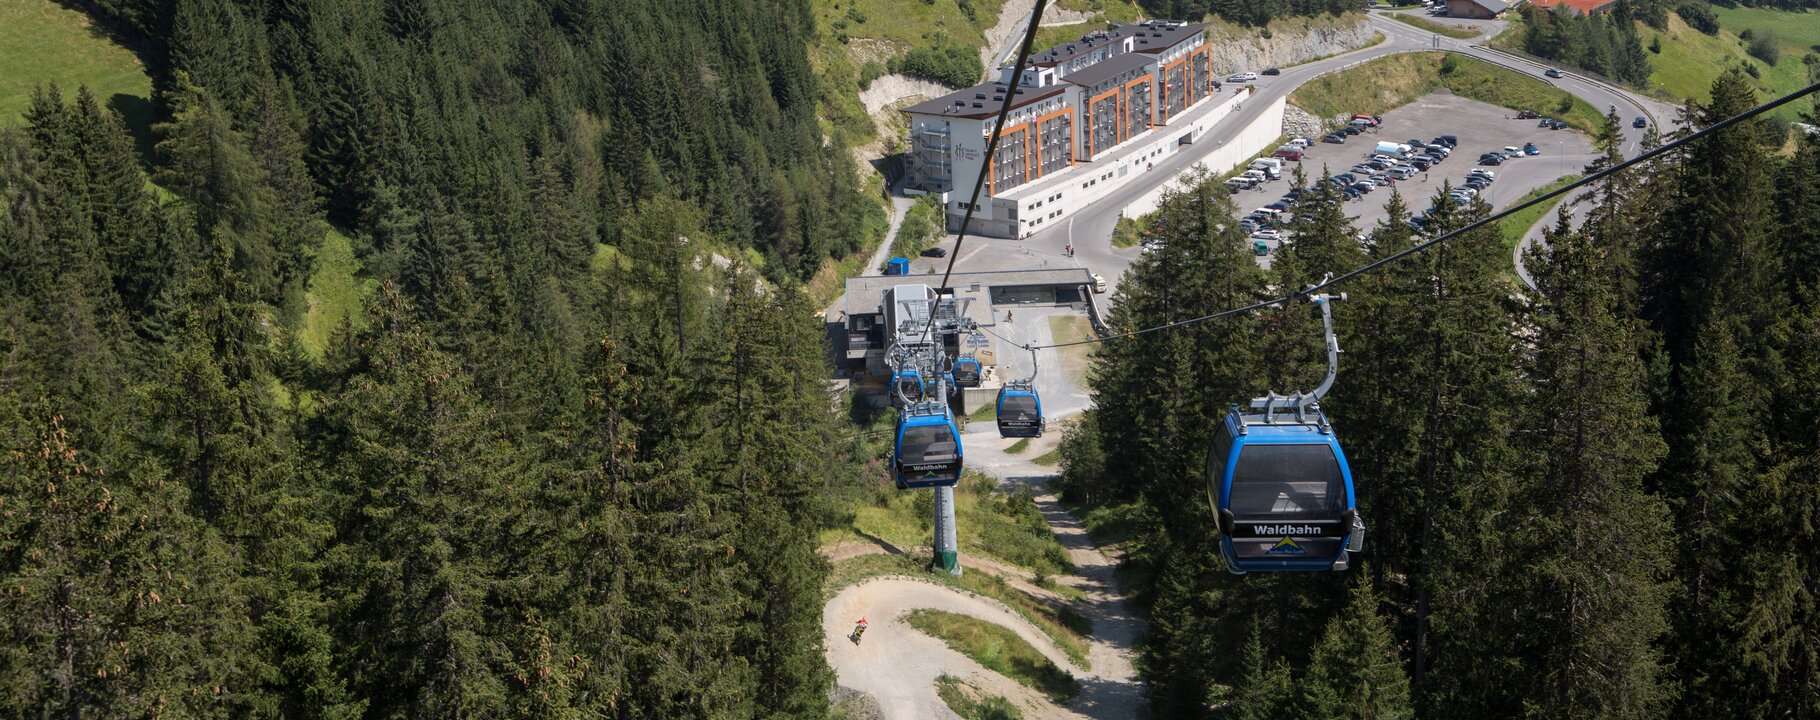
967, 372
1279, 481
1020, 409
928, 449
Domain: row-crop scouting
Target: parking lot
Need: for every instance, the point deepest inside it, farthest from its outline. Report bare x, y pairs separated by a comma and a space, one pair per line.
1479, 128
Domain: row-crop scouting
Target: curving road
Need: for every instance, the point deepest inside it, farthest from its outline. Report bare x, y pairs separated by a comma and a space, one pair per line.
1090, 228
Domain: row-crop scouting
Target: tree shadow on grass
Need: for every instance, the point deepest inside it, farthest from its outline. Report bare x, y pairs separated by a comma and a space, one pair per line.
136, 113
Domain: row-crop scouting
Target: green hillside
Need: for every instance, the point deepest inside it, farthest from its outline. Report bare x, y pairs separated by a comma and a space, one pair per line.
906, 23
1690, 59
45, 43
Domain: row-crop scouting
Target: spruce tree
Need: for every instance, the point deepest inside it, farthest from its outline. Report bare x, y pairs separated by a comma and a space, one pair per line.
1591, 541
118, 603
1356, 671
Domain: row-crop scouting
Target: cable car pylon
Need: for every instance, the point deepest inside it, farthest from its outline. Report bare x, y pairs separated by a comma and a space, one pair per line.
928, 451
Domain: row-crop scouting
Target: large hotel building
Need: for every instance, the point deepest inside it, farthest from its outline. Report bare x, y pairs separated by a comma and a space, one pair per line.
1077, 113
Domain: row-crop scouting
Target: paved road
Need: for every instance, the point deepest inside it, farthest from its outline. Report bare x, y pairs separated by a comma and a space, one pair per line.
1090, 228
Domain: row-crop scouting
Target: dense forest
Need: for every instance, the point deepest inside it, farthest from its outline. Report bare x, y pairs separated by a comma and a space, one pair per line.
564, 465
1247, 12
1596, 500
1606, 43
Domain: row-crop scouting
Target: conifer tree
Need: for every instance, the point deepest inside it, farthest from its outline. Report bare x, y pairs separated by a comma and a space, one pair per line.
1356, 671
117, 603
423, 538
1266, 690
1591, 540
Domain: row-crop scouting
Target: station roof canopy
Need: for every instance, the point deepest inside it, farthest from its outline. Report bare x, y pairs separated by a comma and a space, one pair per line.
865, 294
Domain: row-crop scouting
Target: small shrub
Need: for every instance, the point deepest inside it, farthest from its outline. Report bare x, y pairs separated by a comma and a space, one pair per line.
1763, 47
1699, 17
1752, 71
856, 15
869, 72
1655, 44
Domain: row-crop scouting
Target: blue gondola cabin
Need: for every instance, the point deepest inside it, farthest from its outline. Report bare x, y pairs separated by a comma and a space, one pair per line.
928, 450
1283, 494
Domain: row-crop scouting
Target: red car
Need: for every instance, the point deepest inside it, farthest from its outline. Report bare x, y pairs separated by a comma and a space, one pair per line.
1290, 155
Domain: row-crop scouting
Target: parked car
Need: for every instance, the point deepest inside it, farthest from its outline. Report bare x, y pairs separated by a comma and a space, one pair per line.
1295, 155
1243, 77
1272, 71
1403, 172
1422, 162
1491, 159
1450, 141
935, 252
1363, 186
1417, 143
1512, 151
1372, 120
1527, 115
1352, 193
1351, 130
1267, 235
1531, 149
1639, 122
1551, 124
1482, 172
1364, 168
1292, 194
1347, 178
1438, 149
1278, 206
1334, 138
1475, 184
1378, 164
1551, 72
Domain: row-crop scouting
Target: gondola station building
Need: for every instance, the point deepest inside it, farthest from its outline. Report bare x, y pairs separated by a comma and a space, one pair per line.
1085, 116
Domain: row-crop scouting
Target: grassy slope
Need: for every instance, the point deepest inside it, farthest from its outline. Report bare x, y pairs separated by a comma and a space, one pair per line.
999, 650
988, 523
970, 703
1690, 59
1512, 228
45, 43
1432, 26
1396, 80
906, 23
334, 293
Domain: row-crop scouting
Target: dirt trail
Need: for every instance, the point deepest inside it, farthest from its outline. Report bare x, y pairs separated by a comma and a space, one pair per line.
898, 665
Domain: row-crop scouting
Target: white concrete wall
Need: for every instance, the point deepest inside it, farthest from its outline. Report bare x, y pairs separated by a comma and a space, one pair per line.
1256, 137
1127, 162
